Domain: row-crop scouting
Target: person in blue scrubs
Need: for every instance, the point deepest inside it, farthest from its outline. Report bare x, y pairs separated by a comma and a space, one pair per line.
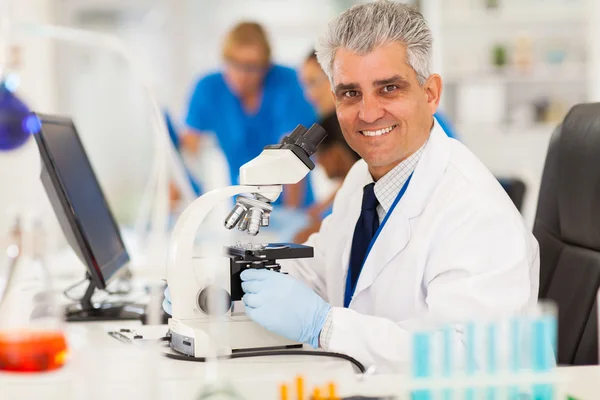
174, 195
445, 123
251, 103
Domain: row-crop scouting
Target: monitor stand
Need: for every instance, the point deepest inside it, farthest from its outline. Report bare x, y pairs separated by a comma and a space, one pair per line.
86, 311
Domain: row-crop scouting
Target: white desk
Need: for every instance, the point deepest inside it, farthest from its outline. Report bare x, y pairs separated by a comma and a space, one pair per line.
101, 367
104, 368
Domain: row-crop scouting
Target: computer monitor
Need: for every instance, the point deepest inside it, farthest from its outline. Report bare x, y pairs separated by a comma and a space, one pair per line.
84, 215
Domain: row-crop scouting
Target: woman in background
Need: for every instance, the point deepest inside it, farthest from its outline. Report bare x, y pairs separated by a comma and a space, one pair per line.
249, 104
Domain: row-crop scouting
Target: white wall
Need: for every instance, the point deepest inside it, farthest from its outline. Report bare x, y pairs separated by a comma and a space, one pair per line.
102, 94
512, 154
494, 108
593, 47
177, 41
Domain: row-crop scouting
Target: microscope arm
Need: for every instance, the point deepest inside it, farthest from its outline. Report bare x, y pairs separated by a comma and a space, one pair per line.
277, 165
181, 278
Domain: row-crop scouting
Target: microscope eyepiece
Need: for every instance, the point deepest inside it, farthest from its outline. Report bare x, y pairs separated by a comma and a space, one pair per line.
314, 136
306, 139
303, 142
296, 134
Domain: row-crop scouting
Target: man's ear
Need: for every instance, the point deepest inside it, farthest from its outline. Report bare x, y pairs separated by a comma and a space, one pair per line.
433, 91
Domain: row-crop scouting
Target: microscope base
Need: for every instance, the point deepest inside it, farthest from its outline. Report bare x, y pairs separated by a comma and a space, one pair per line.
235, 333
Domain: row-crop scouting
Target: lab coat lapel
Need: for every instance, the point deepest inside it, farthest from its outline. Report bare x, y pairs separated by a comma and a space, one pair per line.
395, 235
392, 240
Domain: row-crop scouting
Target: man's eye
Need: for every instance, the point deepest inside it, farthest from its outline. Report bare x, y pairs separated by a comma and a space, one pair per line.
351, 93
390, 88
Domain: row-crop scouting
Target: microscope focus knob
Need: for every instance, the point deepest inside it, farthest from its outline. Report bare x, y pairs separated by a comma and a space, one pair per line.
214, 300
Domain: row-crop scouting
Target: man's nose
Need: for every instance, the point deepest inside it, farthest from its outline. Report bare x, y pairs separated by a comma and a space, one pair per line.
370, 109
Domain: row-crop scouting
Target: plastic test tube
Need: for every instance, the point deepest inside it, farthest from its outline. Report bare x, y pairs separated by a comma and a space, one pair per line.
421, 360
516, 348
447, 359
492, 358
543, 332
470, 363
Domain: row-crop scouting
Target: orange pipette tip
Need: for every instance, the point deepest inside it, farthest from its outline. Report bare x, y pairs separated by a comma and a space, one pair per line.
331, 390
283, 392
317, 394
300, 388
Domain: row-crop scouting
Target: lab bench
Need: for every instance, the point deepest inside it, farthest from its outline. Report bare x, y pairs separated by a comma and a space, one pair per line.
103, 367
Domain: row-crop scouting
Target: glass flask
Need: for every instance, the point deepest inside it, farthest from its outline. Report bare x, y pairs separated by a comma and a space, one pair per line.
32, 337
13, 117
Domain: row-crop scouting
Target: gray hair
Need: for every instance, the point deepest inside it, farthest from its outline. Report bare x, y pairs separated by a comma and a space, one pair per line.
365, 27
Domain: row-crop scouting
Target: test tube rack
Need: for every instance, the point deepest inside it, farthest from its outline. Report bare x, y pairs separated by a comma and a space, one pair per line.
511, 358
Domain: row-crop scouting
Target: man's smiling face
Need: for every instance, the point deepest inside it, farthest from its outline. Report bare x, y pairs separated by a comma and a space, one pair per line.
384, 113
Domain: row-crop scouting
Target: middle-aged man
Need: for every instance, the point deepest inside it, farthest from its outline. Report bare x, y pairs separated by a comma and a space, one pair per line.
420, 229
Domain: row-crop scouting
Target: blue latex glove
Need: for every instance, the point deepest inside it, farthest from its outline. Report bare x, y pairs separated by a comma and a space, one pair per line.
284, 305
167, 302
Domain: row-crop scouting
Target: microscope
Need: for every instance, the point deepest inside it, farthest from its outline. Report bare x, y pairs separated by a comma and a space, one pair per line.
204, 288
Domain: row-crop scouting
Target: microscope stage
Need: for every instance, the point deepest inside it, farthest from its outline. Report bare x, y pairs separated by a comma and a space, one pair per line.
271, 251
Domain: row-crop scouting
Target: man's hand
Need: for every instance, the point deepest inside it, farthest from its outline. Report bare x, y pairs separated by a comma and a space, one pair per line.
284, 305
174, 196
303, 235
314, 212
293, 195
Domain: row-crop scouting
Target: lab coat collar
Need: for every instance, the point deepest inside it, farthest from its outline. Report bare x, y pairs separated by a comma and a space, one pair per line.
395, 235
428, 173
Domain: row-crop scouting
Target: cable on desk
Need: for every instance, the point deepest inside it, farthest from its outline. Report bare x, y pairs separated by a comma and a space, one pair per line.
67, 290
120, 292
123, 282
286, 352
265, 353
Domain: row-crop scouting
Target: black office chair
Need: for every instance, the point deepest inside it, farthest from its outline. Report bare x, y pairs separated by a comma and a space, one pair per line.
567, 226
515, 188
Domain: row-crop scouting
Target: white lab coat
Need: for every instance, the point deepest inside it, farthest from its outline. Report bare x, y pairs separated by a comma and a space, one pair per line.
455, 247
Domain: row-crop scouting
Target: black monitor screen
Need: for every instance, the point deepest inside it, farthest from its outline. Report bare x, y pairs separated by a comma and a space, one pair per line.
78, 200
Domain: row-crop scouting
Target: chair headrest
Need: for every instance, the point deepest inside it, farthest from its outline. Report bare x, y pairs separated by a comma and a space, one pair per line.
578, 170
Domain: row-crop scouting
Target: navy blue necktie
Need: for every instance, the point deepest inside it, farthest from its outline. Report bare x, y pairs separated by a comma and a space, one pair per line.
365, 230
